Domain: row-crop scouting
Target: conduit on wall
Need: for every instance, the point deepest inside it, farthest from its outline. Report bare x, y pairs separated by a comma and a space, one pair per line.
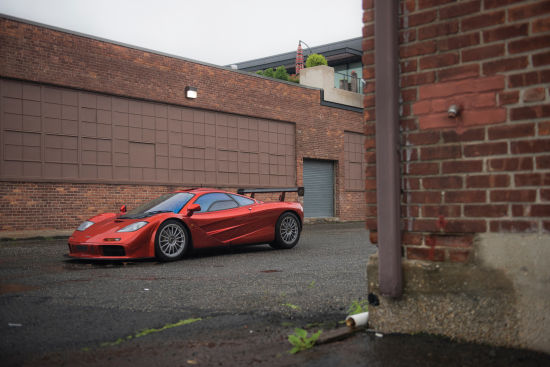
387, 147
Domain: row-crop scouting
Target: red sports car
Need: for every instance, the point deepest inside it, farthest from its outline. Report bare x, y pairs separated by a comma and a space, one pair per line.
168, 226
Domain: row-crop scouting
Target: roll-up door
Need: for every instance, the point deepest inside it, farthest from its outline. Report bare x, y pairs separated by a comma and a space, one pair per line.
319, 188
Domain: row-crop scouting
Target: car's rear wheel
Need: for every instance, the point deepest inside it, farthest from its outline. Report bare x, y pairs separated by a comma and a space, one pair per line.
287, 231
171, 241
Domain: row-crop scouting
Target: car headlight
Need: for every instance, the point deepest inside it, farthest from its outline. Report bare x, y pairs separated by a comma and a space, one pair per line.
86, 224
133, 227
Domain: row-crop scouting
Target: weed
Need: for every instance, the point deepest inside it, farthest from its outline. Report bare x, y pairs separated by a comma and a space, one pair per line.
312, 284
301, 341
358, 307
290, 305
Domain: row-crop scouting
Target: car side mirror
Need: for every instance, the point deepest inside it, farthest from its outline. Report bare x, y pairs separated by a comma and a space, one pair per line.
123, 209
193, 208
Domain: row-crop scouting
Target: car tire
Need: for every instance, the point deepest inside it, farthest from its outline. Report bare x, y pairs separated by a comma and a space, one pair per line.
287, 231
171, 241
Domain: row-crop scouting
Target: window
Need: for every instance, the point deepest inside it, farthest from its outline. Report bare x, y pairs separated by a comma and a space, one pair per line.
215, 201
242, 200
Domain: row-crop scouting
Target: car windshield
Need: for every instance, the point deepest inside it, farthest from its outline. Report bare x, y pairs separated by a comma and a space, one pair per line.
172, 202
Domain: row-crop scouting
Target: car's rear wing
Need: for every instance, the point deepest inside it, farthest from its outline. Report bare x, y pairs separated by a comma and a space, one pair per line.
283, 191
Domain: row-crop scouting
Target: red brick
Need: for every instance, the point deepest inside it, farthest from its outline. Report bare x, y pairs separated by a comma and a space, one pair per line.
409, 154
505, 32
529, 44
408, 124
417, 79
463, 242
484, 149
513, 226
373, 236
423, 197
542, 58
410, 211
483, 20
541, 25
438, 61
436, 30
540, 210
420, 18
543, 162
531, 112
469, 196
529, 78
493, 67
372, 224
368, 4
459, 72
477, 85
483, 117
421, 253
370, 197
491, 4
530, 146
440, 152
459, 10
487, 181
423, 138
409, 66
532, 179
460, 41
410, 238
422, 225
509, 97
545, 194
442, 182
412, 183
464, 136
528, 11
486, 211
423, 4
407, 36
466, 226
544, 128
447, 211
417, 49
459, 256
421, 168
511, 131
513, 195
462, 166
534, 95
484, 52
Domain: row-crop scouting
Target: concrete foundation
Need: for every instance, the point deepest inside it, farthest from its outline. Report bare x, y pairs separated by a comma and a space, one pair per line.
502, 297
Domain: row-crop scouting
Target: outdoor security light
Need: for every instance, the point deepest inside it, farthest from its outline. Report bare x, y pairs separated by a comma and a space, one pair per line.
191, 92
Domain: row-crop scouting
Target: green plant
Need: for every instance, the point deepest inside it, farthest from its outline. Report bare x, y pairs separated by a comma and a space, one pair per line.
268, 72
315, 60
301, 341
281, 73
294, 78
290, 305
358, 307
259, 72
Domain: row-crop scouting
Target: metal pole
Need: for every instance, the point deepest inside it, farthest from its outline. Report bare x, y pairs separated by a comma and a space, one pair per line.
387, 147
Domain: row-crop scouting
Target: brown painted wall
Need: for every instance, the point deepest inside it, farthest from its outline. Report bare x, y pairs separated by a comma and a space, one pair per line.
89, 67
489, 169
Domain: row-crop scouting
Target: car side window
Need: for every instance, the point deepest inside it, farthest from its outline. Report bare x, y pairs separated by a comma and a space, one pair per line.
242, 200
215, 201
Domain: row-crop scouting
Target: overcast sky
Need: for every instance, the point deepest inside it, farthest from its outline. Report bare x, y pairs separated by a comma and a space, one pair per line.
215, 31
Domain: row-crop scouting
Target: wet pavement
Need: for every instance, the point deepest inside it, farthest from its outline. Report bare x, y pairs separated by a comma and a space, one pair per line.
222, 307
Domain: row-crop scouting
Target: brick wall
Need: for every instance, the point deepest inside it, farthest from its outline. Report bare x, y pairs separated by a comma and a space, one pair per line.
488, 170
33, 53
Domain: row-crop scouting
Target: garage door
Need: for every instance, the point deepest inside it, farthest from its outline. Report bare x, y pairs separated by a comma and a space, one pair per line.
319, 188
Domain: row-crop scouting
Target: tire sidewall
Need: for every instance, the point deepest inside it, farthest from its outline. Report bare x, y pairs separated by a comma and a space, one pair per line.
279, 243
158, 253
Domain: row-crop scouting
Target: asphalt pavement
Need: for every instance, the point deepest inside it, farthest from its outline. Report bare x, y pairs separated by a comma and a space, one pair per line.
217, 307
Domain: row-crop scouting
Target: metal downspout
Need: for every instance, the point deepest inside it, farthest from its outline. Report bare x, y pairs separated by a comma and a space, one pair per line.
387, 147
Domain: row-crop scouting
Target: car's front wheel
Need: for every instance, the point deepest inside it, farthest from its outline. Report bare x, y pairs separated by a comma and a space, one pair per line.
287, 231
171, 241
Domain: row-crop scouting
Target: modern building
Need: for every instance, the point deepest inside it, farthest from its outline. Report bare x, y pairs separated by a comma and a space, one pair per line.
343, 56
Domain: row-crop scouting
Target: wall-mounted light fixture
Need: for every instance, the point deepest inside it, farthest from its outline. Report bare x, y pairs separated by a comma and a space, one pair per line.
191, 92
453, 111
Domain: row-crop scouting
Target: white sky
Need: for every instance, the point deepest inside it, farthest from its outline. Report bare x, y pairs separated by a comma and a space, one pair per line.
215, 31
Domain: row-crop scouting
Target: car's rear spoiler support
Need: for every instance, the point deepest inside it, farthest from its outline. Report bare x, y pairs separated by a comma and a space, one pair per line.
283, 191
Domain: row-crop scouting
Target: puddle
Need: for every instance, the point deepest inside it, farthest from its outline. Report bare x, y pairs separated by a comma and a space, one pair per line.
15, 288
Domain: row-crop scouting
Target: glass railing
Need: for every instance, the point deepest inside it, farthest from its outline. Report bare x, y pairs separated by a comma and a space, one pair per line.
350, 82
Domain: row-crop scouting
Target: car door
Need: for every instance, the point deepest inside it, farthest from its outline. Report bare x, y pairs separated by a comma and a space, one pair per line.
221, 219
